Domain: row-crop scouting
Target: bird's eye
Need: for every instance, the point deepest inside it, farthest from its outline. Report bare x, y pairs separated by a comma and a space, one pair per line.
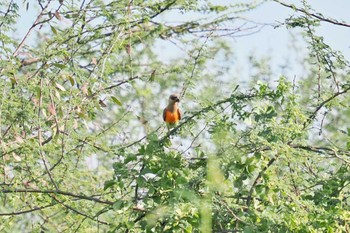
173, 97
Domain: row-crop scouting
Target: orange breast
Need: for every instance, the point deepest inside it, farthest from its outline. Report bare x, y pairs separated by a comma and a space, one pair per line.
171, 117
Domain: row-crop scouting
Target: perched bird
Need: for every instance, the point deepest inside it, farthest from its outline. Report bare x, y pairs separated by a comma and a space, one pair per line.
171, 114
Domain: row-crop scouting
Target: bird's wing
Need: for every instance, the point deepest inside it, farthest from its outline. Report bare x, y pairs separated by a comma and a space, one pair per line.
179, 113
164, 113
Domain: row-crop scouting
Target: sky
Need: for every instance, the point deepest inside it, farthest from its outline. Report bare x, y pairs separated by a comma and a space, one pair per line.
284, 47
277, 42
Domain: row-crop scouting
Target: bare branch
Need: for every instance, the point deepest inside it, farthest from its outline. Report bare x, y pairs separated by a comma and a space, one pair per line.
324, 150
194, 66
64, 193
317, 16
7, 12
15, 53
261, 173
322, 104
27, 211
79, 212
40, 137
30, 61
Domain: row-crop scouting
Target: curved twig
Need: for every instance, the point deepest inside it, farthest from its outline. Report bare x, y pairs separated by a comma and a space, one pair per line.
60, 192
317, 16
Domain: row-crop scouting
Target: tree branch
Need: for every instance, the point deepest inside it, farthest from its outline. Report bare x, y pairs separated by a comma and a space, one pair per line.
249, 198
317, 16
323, 150
6, 13
314, 113
15, 53
207, 109
26, 211
30, 61
78, 212
40, 137
64, 193
194, 66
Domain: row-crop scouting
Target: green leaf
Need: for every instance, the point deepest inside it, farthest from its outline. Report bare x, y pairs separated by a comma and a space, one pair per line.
153, 137
140, 181
153, 75
71, 80
118, 205
59, 65
257, 155
59, 86
129, 158
71, 16
249, 229
53, 30
108, 184
115, 100
250, 168
142, 150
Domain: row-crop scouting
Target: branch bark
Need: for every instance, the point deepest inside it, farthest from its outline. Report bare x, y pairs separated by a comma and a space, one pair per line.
78, 212
15, 53
314, 113
6, 13
26, 211
30, 61
60, 192
317, 16
249, 198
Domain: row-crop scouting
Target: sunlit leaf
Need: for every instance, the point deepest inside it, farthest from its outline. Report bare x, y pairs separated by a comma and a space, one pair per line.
52, 109
71, 80
108, 184
58, 65
153, 75
102, 103
58, 15
60, 87
115, 100
16, 157
53, 30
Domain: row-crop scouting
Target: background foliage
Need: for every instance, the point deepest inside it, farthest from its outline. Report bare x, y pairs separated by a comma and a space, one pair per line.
84, 149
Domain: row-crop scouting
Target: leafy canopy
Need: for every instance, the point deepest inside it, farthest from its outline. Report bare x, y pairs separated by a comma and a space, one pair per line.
83, 145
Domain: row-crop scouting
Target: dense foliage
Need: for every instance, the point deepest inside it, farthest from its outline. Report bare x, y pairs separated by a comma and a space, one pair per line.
84, 148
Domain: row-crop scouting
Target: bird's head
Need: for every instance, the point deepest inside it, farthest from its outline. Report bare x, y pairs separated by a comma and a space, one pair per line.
174, 98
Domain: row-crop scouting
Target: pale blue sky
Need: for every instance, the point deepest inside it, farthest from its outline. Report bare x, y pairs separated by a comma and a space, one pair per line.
338, 37
276, 43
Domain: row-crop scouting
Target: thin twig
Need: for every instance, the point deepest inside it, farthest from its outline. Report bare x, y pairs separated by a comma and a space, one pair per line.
323, 150
27, 211
60, 192
249, 198
6, 13
314, 113
317, 16
40, 140
15, 53
194, 66
78, 212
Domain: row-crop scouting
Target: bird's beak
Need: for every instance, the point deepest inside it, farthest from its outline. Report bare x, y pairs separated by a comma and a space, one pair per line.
177, 100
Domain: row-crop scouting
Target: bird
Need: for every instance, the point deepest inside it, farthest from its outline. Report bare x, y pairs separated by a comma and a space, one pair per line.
171, 113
